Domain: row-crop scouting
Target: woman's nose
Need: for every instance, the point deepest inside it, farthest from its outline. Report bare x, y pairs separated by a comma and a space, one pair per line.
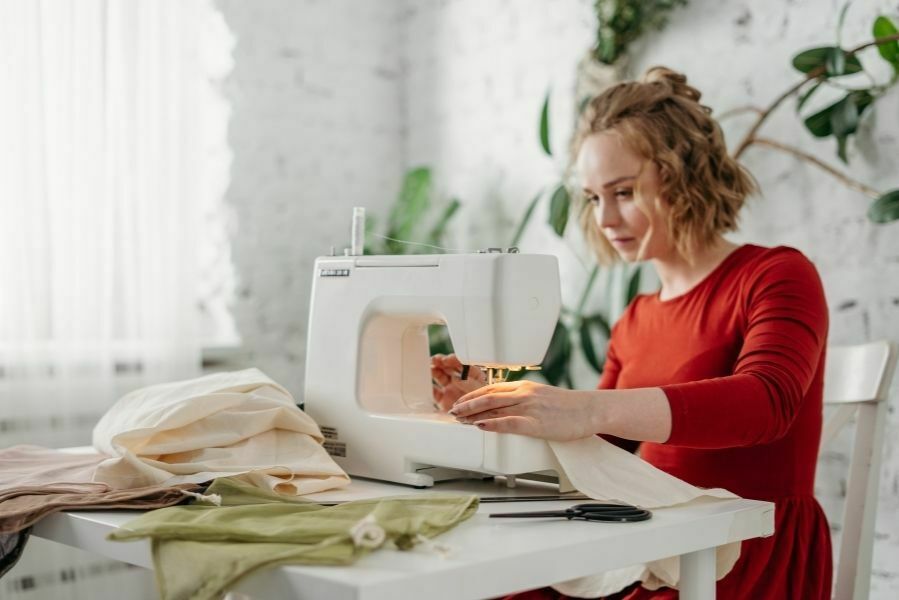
606, 214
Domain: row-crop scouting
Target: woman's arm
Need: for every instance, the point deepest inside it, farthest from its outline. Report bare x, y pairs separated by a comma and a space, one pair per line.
640, 414
782, 349
534, 409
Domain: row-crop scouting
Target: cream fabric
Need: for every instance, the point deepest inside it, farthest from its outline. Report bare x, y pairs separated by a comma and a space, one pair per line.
225, 424
605, 472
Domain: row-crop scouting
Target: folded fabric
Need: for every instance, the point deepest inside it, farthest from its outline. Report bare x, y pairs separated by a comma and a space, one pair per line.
218, 425
25, 468
23, 510
605, 472
35, 482
199, 551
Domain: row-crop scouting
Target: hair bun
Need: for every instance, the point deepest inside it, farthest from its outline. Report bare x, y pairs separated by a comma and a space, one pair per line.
676, 81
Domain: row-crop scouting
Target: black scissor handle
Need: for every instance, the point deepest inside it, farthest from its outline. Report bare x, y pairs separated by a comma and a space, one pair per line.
545, 513
610, 513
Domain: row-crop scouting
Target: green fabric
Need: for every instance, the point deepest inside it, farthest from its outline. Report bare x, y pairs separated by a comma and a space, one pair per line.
201, 550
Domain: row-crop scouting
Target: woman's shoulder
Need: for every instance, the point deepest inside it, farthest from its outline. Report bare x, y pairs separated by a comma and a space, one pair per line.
762, 262
781, 276
757, 252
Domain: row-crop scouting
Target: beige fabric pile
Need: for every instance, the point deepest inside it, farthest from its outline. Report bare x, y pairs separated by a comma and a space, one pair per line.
224, 424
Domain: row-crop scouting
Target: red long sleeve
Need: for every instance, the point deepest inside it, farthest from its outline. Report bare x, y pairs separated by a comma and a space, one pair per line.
784, 335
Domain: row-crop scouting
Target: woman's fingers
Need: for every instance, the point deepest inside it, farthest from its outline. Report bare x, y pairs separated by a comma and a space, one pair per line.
440, 375
473, 404
443, 398
511, 424
451, 361
446, 362
446, 395
449, 366
494, 413
498, 388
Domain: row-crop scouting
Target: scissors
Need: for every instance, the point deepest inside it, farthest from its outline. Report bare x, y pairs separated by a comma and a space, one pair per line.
612, 513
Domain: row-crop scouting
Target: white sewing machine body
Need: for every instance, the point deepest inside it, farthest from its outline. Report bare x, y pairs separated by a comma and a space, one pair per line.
368, 382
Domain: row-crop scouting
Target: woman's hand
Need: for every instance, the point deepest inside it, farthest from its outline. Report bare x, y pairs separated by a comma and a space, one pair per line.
530, 408
448, 386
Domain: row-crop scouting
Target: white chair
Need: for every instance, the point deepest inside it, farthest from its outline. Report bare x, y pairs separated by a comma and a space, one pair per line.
857, 378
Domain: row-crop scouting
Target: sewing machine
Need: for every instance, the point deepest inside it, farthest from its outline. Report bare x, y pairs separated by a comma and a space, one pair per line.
368, 382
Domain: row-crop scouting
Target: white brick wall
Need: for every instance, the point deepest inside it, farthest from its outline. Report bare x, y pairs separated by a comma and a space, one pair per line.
316, 128
332, 100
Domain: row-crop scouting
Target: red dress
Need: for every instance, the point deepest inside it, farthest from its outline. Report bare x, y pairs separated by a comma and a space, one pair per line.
741, 358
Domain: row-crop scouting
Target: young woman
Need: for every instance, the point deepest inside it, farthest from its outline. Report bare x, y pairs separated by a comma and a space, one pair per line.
718, 376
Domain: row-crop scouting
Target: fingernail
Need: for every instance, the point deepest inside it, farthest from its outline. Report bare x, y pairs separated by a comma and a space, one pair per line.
452, 411
480, 425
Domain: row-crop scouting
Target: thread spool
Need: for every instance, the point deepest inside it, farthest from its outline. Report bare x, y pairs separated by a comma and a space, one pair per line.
357, 246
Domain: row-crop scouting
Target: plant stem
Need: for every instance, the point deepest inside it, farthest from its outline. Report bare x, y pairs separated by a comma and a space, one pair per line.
813, 74
842, 177
738, 111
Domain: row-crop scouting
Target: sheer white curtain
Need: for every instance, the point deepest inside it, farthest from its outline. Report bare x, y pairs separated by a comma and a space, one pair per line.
101, 180
112, 140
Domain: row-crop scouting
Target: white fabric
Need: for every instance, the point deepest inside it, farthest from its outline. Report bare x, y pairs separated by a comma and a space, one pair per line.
605, 472
219, 425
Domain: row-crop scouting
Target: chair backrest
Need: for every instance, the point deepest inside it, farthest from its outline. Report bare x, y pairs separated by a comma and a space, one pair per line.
857, 379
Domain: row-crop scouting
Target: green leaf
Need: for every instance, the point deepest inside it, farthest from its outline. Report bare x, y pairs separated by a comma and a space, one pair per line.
559, 207
544, 126
814, 58
633, 285
808, 94
842, 19
519, 231
821, 124
435, 237
844, 122
558, 355
599, 323
885, 208
411, 205
587, 347
841, 148
602, 323
836, 62
883, 27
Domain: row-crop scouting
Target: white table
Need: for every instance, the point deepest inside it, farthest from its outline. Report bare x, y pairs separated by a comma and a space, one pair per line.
489, 557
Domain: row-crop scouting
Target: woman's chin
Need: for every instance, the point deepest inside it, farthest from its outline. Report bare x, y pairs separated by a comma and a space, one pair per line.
627, 255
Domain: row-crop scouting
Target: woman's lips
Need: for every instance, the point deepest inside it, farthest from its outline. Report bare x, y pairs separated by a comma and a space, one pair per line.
622, 241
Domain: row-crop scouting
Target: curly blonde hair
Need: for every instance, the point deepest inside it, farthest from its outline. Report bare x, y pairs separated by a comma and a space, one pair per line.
660, 118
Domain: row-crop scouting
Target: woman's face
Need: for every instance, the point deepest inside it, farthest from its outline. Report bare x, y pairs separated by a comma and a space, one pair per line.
610, 172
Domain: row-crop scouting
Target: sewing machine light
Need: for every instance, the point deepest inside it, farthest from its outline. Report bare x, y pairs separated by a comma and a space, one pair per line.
500, 374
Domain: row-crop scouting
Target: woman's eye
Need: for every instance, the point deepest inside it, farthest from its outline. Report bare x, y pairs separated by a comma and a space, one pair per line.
593, 199
624, 193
